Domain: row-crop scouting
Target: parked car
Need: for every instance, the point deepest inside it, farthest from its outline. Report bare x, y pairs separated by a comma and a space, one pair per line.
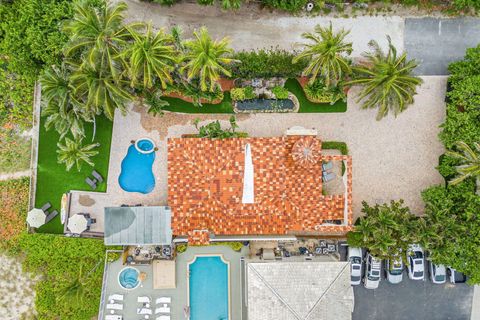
394, 270
372, 275
438, 273
416, 262
456, 276
355, 258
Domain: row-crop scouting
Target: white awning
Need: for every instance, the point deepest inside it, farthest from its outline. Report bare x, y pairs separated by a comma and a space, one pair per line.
248, 188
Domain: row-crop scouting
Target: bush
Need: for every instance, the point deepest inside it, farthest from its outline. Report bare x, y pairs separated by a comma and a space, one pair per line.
266, 64
280, 93
206, 2
14, 151
165, 2
240, 94
318, 92
181, 248
13, 211
287, 5
342, 146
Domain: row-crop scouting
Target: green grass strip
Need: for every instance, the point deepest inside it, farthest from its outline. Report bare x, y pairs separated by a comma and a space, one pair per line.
52, 178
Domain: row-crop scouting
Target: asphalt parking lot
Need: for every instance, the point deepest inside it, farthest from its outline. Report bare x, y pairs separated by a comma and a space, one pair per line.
413, 300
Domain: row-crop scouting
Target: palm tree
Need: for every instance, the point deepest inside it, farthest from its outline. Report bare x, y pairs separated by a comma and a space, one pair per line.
98, 34
206, 59
73, 152
74, 292
327, 55
387, 80
470, 163
151, 56
101, 91
61, 108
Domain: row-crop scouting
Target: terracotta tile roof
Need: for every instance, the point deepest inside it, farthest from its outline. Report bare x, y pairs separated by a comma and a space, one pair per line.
205, 185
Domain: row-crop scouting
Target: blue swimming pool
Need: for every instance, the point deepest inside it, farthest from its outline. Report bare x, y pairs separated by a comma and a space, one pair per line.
137, 174
208, 287
128, 278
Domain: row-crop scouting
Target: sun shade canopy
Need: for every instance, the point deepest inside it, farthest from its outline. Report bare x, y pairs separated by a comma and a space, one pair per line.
138, 226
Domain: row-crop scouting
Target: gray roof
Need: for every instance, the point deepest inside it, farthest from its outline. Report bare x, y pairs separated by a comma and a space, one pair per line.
138, 225
299, 291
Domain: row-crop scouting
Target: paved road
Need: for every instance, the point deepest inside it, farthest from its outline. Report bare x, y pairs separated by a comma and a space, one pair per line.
437, 42
413, 300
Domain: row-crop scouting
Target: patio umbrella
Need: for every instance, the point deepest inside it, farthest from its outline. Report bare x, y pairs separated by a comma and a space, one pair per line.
36, 218
63, 210
77, 223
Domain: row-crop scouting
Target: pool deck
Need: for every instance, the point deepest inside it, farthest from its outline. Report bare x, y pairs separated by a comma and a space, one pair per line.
179, 295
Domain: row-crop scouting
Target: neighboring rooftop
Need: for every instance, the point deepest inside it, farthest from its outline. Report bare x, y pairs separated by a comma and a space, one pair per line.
205, 181
322, 290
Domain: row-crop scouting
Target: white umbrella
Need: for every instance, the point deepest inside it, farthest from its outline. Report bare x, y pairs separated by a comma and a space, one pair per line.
77, 223
36, 218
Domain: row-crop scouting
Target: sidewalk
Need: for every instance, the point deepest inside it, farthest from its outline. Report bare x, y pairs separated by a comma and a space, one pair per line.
476, 304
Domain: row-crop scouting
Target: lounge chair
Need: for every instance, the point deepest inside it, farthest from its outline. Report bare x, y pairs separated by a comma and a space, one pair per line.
52, 215
163, 309
144, 300
163, 318
327, 166
91, 183
328, 177
163, 300
115, 306
144, 311
113, 317
97, 176
116, 296
46, 206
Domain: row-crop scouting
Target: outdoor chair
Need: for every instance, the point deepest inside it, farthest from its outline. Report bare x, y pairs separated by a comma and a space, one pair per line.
92, 221
115, 306
116, 296
143, 300
113, 317
97, 176
327, 166
163, 309
144, 311
328, 177
162, 300
91, 183
46, 206
163, 318
52, 215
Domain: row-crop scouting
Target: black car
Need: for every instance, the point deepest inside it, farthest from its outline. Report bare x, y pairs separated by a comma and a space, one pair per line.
456, 276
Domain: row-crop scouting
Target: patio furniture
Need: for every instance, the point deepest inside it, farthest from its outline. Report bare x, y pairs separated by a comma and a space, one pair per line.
97, 176
36, 218
328, 177
143, 299
327, 166
91, 183
144, 311
46, 206
52, 215
92, 221
164, 309
116, 296
113, 317
115, 306
163, 300
77, 223
163, 317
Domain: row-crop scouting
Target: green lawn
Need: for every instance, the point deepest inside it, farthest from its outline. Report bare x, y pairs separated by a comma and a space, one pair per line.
179, 105
307, 106
52, 178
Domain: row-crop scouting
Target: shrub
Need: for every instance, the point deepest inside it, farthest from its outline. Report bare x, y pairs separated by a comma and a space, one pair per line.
237, 94
14, 151
250, 93
266, 64
206, 2
165, 2
181, 248
213, 130
280, 92
13, 209
319, 93
287, 5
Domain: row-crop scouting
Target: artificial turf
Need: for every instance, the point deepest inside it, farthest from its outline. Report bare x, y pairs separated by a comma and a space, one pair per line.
52, 178
182, 106
307, 106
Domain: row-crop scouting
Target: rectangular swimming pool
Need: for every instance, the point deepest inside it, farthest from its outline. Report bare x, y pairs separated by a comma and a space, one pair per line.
209, 288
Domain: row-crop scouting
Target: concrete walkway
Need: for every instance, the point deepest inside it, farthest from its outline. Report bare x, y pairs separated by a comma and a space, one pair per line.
475, 303
15, 175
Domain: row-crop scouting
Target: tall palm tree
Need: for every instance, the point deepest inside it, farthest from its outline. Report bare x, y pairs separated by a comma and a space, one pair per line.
327, 55
98, 34
101, 91
61, 108
151, 56
387, 80
73, 152
74, 292
470, 163
206, 59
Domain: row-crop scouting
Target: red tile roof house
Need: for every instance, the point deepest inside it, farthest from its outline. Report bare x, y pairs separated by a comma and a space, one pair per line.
211, 198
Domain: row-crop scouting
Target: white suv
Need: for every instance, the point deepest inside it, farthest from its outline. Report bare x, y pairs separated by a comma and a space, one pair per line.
394, 270
372, 275
416, 262
355, 258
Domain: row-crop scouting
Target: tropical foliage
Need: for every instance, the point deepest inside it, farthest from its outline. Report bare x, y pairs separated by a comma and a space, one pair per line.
470, 163
387, 80
214, 130
73, 152
15, 151
385, 230
318, 92
327, 55
206, 59
13, 210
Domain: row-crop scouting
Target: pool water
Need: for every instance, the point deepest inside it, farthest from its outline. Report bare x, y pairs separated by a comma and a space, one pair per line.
137, 174
128, 278
208, 287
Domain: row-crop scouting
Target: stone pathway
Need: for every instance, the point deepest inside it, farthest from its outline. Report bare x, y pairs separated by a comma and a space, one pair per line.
15, 175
